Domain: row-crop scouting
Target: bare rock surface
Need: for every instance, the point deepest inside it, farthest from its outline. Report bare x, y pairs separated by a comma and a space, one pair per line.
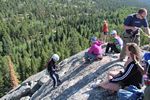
76, 76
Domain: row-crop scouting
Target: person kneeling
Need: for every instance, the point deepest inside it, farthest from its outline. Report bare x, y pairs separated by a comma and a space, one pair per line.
51, 68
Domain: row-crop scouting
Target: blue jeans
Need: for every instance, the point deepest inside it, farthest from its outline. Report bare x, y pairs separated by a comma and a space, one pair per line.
89, 56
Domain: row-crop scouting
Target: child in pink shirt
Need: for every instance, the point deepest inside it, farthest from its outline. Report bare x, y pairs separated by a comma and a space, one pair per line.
95, 51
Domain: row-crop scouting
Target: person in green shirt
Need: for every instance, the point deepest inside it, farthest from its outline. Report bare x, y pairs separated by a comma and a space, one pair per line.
115, 45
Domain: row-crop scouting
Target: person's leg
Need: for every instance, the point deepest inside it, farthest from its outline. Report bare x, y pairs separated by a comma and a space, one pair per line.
107, 47
99, 57
58, 80
57, 76
54, 78
110, 86
86, 55
123, 53
115, 49
137, 40
104, 36
91, 57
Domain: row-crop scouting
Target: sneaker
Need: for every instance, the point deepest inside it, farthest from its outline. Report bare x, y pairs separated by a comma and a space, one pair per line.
105, 54
89, 59
54, 87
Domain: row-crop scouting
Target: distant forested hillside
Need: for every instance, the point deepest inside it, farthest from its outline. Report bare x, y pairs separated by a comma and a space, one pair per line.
145, 2
32, 30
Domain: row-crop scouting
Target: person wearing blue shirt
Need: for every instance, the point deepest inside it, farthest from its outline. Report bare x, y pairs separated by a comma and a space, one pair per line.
132, 26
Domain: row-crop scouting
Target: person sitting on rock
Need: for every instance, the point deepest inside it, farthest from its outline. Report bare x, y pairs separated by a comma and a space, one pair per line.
51, 67
132, 74
95, 51
116, 44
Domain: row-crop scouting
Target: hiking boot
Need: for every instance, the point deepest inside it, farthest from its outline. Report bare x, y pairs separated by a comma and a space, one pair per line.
54, 87
89, 59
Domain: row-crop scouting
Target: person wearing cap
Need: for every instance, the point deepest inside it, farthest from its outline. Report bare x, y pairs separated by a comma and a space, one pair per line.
95, 51
132, 26
116, 44
51, 67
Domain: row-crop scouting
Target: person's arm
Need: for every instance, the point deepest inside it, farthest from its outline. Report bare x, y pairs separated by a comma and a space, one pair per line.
125, 74
133, 28
57, 68
147, 30
146, 27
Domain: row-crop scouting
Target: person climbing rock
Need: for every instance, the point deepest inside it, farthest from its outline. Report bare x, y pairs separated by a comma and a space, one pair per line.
52, 68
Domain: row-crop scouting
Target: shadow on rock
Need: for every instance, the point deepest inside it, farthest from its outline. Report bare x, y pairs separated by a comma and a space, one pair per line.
100, 94
87, 79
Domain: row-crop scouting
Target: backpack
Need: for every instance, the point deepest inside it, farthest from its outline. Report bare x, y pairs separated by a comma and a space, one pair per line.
146, 56
146, 59
131, 93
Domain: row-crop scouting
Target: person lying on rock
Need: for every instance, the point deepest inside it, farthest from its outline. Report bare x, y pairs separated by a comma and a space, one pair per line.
115, 45
95, 51
51, 67
132, 74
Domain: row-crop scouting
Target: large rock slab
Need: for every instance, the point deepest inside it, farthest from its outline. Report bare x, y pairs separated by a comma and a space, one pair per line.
76, 76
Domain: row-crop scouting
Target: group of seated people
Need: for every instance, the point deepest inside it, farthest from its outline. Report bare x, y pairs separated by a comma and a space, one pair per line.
95, 52
133, 69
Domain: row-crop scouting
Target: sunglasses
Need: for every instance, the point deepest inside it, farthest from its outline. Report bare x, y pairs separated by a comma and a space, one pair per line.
142, 16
